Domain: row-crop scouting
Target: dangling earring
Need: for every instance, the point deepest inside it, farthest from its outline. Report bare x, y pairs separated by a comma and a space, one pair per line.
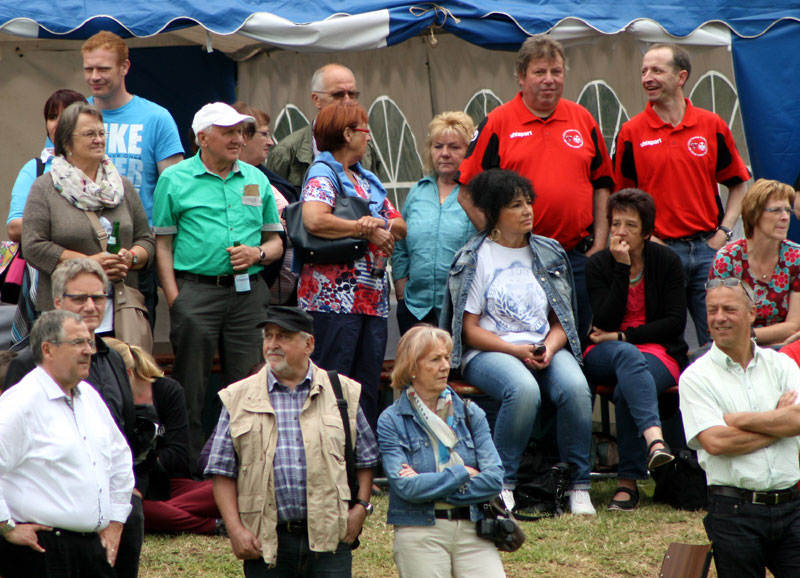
495, 235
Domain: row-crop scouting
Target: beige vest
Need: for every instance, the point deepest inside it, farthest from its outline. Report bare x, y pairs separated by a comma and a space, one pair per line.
254, 432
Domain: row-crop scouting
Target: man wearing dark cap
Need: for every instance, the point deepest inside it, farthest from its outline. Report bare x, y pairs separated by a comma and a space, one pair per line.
278, 459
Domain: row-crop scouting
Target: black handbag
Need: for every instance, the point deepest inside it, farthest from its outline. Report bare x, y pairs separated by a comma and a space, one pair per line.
312, 249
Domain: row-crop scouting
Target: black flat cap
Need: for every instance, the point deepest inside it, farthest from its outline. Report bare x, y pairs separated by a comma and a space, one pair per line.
291, 318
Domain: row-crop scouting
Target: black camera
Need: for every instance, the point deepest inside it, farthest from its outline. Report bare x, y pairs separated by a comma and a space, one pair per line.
497, 530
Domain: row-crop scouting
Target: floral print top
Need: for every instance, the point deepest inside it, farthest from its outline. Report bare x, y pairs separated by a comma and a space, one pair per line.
344, 287
772, 296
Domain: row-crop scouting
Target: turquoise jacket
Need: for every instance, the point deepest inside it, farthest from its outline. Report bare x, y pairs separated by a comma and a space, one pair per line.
435, 232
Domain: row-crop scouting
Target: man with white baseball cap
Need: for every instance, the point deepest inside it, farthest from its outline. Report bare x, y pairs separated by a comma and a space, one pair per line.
216, 226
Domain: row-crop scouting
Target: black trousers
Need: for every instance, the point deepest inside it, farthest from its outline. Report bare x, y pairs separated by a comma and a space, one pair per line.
67, 555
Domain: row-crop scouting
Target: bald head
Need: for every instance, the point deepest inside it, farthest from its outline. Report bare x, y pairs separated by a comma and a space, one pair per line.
332, 82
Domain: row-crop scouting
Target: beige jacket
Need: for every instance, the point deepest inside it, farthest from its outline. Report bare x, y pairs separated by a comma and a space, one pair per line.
254, 432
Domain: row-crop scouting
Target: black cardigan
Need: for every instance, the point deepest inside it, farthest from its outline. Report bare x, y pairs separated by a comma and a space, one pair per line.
664, 293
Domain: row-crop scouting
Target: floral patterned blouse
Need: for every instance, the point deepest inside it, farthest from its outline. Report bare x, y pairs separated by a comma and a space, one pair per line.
344, 287
772, 296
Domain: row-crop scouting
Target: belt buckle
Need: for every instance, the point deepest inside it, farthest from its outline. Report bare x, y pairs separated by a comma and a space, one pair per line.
758, 496
293, 526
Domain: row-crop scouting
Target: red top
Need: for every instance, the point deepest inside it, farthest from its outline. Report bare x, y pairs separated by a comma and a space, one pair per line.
564, 156
680, 167
634, 317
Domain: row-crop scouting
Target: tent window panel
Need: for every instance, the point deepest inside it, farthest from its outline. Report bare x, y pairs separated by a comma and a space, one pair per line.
604, 105
290, 119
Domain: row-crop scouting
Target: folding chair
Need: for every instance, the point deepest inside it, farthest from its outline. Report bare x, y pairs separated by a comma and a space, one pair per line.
686, 561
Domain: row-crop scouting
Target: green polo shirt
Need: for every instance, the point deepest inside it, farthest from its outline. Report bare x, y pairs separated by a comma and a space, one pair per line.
206, 214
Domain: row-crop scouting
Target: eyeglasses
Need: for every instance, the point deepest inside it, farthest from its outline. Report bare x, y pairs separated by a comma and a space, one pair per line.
82, 298
364, 130
77, 343
340, 94
731, 283
774, 210
92, 134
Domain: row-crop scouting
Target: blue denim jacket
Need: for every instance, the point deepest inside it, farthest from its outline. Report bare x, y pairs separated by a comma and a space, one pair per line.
552, 269
403, 440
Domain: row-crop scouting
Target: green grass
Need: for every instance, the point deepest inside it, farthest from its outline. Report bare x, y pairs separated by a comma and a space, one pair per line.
613, 544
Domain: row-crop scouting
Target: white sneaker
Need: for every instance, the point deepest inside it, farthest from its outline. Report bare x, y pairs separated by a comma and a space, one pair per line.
580, 503
507, 496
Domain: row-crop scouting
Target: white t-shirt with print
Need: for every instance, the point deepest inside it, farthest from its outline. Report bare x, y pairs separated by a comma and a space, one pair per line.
505, 293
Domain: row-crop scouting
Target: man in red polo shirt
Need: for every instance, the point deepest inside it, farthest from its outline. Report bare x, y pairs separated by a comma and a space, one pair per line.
678, 154
557, 145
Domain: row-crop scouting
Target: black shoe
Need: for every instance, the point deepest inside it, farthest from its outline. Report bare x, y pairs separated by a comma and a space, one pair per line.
660, 456
624, 505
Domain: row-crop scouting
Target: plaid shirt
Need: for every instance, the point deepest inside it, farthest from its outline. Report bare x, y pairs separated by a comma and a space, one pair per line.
289, 465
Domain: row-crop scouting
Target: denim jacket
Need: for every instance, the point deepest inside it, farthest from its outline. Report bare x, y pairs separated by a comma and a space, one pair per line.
552, 269
403, 440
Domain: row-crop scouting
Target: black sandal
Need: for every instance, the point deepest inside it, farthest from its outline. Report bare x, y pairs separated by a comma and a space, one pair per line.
624, 505
660, 456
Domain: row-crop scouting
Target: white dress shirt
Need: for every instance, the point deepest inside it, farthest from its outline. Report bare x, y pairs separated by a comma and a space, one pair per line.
62, 464
715, 385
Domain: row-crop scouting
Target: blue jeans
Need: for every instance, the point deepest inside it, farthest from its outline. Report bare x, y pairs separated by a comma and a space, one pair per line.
505, 378
639, 378
296, 560
697, 258
751, 537
583, 316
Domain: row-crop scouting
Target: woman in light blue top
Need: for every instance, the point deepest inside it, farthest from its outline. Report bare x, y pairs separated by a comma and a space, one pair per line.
53, 107
437, 225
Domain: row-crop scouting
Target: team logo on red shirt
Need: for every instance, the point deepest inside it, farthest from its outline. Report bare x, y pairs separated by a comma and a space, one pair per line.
698, 146
572, 138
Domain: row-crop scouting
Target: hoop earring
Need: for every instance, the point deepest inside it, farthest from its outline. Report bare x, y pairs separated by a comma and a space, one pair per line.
495, 235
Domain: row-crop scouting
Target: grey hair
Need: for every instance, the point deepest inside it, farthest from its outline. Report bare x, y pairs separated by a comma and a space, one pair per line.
70, 269
68, 121
49, 328
318, 78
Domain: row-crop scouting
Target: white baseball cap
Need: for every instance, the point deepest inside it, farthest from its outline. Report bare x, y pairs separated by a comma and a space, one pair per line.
218, 113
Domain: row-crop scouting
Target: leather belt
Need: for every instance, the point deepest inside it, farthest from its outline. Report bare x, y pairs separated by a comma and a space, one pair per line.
701, 236
218, 280
769, 498
461, 513
296, 527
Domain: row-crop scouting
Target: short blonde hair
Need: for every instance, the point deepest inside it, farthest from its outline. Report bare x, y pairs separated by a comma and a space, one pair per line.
456, 122
136, 359
418, 341
756, 198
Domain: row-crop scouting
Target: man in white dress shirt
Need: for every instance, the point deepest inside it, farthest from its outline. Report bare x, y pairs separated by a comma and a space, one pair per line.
740, 412
66, 474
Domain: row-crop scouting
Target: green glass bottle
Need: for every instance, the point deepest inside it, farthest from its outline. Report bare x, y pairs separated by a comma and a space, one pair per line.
114, 242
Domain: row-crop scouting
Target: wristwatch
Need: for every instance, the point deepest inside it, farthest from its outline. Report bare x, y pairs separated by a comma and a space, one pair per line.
727, 231
367, 506
134, 260
262, 254
10, 525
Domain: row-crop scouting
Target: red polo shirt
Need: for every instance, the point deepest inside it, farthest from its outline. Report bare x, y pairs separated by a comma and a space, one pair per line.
680, 167
564, 156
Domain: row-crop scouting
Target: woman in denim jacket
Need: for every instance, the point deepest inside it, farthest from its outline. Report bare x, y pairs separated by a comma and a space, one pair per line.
440, 461
509, 306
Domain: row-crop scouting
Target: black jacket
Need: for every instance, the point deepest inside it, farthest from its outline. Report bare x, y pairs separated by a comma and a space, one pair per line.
664, 293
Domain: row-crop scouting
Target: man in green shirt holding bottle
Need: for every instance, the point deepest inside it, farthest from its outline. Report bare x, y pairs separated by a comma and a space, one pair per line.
216, 226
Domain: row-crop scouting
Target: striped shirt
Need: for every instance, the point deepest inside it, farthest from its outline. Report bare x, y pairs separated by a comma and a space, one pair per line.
715, 385
289, 465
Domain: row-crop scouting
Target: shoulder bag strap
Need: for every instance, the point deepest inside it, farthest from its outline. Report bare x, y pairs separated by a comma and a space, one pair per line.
102, 235
349, 455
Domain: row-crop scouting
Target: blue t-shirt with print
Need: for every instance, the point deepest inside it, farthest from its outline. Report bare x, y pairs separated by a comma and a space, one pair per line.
140, 135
